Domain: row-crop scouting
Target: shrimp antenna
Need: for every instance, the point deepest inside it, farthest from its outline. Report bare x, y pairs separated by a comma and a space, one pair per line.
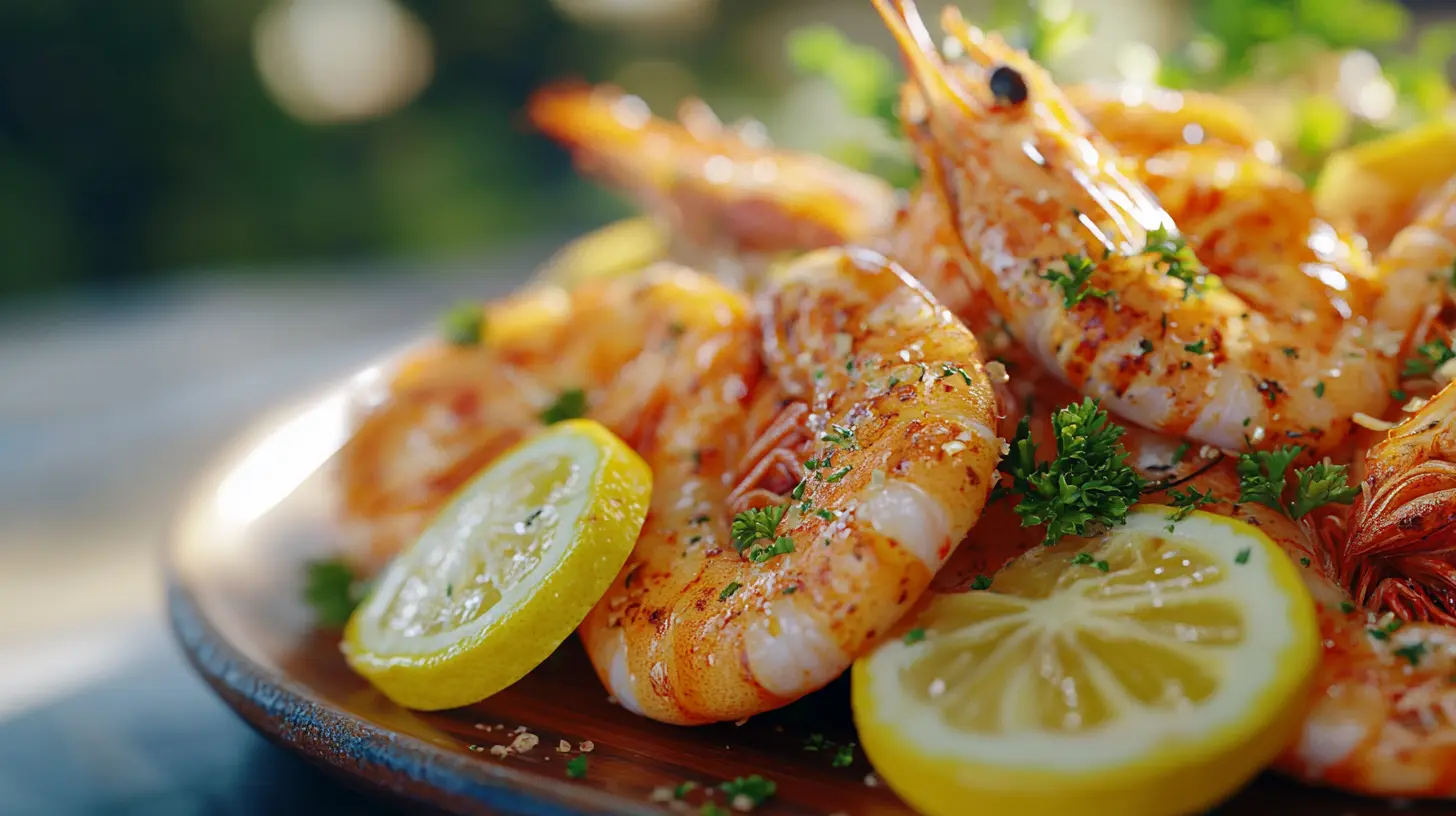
922, 59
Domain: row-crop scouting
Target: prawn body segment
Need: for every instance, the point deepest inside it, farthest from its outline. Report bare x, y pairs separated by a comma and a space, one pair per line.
1146, 329
894, 454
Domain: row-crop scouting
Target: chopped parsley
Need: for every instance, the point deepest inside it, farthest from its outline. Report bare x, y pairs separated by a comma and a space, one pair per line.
1181, 451
570, 404
1291, 352
1243, 556
1320, 485
1083, 558
914, 636
841, 436
1412, 652
1429, 357
1182, 264
948, 370
755, 788
754, 525
843, 756
683, 789
1189, 501
576, 767
838, 474
1201, 347
1347, 607
331, 589
1304, 561
463, 324
1102, 565
1319, 389
981, 582
1089, 480
1262, 477
816, 742
783, 546
729, 590
1074, 283
1399, 395
798, 491
1378, 634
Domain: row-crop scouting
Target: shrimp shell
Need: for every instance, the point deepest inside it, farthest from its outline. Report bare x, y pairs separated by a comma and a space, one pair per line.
853, 349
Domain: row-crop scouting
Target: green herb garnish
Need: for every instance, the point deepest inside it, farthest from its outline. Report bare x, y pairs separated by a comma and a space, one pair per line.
463, 324
1074, 283
1089, 480
333, 592
914, 636
1189, 501
1243, 556
843, 756
683, 788
755, 788
1200, 347
1182, 264
754, 525
1319, 485
948, 370
840, 436
1347, 607
729, 590
1412, 652
981, 582
783, 546
570, 404
576, 767
1429, 357
1083, 558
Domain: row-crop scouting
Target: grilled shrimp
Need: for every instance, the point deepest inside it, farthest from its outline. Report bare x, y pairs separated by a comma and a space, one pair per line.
608, 348
726, 194
799, 513
1036, 191
1141, 121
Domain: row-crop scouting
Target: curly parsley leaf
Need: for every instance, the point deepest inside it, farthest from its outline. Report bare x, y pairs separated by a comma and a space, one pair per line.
1263, 476
1089, 480
755, 788
754, 525
1319, 485
1074, 283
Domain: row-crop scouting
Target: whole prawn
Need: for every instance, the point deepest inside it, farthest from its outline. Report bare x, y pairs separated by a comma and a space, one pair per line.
766, 567
1034, 190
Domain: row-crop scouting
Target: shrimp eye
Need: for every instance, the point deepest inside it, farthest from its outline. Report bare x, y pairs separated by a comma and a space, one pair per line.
1008, 86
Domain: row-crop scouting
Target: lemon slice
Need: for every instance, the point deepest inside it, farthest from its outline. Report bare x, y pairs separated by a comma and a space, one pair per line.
506, 572
1377, 186
616, 249
1141, 672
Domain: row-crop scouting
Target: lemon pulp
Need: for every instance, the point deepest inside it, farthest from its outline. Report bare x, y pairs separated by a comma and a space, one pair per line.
1143, 671
506, 572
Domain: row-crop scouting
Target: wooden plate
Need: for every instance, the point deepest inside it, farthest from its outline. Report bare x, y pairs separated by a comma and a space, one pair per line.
235, 568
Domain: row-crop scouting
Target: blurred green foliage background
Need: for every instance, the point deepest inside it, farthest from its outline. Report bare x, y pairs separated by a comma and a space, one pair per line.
161, 136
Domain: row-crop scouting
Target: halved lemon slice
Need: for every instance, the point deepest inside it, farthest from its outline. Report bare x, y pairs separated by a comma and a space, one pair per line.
1376, 187
1140, 672
616, 249
506, 572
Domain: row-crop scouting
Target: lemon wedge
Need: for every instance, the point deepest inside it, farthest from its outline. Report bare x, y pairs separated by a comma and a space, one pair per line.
1140, 672
506, 572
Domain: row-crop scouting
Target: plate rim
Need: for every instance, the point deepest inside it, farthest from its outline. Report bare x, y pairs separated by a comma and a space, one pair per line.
287, 714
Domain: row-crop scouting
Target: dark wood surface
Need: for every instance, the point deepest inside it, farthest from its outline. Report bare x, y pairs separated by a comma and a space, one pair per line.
234, 593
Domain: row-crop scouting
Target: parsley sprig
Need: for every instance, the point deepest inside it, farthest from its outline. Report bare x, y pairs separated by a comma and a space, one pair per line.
463, 324
1182, 264
1089, 480
1075, 282
1263, 477
1429, 357
1189, 501
569, 404
755, 788
754, 525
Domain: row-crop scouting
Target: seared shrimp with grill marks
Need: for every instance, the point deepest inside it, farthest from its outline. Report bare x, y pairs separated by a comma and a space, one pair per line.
1090, 272
800, 512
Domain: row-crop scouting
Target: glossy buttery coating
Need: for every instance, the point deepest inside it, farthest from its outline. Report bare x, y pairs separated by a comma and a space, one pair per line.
721, 189
1030, 182
448, 410
694, 631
